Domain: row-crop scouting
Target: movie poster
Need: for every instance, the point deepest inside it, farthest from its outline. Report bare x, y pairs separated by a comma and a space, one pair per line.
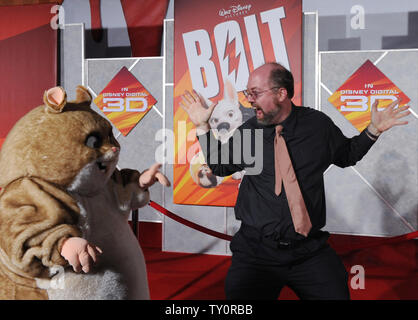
217, 44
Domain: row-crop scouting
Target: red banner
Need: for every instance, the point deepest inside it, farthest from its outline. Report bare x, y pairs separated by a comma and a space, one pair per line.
28, 61
217, 45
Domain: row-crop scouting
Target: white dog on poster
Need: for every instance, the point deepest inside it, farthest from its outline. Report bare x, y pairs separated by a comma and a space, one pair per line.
228, 115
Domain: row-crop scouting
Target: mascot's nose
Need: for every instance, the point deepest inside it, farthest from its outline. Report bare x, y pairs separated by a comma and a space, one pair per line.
115, 149
223, 125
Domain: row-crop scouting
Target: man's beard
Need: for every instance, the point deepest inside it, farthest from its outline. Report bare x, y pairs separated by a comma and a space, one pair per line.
269, 116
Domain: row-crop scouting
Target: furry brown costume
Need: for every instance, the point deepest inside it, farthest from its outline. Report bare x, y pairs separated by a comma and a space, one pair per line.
43, 193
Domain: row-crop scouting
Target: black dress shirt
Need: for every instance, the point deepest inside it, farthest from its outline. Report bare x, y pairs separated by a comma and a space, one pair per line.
313, 142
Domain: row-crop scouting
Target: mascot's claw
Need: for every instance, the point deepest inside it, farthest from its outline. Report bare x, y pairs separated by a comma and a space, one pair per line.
152, 175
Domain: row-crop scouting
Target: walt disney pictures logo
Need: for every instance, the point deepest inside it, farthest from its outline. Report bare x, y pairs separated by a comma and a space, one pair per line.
235, 11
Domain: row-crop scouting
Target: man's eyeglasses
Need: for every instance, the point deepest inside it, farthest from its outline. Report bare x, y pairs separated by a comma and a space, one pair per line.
255, 94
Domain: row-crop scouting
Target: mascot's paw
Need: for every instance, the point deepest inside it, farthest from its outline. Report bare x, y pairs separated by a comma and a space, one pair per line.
80, 254
152, 175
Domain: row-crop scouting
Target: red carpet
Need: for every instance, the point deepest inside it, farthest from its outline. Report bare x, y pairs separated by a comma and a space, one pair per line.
390, 270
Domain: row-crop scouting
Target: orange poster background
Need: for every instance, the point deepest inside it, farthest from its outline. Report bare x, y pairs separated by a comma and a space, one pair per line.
194, 15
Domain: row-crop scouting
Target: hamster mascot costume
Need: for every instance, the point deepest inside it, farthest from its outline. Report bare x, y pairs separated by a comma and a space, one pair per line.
64, 207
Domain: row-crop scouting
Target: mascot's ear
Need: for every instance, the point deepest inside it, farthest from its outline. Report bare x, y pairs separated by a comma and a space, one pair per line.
83, 95
55, 99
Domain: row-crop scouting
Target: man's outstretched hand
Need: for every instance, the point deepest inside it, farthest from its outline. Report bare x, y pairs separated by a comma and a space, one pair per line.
198, 111
387, 118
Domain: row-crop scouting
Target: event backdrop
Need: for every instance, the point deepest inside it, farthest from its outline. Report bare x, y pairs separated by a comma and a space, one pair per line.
118, 28
377, 197
216, 46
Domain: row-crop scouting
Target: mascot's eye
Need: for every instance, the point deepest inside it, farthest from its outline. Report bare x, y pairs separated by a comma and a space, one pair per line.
93, 141
230, 114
